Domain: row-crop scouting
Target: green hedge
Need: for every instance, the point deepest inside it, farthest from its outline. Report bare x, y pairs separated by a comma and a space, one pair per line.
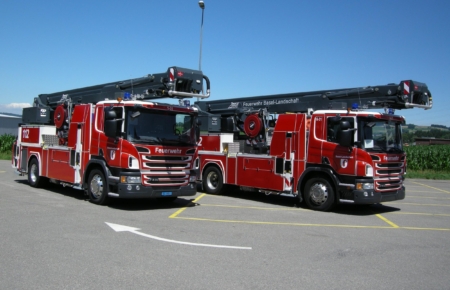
6, 142
432, 157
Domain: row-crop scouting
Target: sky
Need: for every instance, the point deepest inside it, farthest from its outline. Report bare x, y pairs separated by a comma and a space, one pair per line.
249, 48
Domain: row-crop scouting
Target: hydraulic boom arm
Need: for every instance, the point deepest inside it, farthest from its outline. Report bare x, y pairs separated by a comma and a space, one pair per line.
407, 94
175, 83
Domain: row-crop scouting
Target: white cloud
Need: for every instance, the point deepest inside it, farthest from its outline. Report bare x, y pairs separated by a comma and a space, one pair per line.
17, 105
13, 108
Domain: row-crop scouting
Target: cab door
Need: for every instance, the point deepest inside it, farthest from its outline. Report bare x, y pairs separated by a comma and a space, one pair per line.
341, 159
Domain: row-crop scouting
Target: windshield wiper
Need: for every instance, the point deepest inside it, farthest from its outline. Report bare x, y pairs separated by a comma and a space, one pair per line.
394, 149
169, 141
374, 149
176, 142
151, 140
146, 141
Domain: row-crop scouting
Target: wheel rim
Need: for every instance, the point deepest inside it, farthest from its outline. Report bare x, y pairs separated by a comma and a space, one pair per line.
33, 173
212, 180
318, 193
96, 186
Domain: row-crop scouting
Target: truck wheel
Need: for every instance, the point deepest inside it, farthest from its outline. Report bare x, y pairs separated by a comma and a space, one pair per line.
212, 180
34, 178
97, 187
319, 194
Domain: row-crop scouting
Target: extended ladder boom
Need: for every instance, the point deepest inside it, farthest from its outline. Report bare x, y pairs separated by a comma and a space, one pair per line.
175, 83
407, 94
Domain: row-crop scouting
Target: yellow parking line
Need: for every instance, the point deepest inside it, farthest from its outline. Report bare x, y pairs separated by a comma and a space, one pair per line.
431, 187
420, 204
312, 225
415, 191
256, 207
182, 209
421, 213
433, 197
390, 223
387, 221
425, 229
282, 223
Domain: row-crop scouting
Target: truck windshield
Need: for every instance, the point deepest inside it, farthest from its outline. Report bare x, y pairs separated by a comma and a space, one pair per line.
159, 127
381, 135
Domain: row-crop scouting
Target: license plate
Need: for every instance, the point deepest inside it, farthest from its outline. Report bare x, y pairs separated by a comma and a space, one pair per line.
166, 193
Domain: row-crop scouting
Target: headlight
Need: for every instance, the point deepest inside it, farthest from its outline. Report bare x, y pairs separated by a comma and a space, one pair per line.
130, 179
192, 178
369, 170
365, 186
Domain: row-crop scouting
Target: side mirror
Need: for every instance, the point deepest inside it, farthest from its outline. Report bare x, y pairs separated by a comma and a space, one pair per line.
111, 128
345, 138
111, 123
345, 134
198, 123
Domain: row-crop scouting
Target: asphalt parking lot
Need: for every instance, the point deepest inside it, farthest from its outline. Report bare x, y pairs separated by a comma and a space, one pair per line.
54, 238
426, 208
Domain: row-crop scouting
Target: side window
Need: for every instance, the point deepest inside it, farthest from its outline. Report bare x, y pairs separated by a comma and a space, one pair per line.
334, 126
99, 117
331, 130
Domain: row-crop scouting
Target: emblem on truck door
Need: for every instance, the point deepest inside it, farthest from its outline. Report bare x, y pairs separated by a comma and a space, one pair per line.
25, 134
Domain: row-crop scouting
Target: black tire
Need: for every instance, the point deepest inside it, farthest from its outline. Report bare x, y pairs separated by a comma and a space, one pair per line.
319, 194
212, 180
97, 187
34, 178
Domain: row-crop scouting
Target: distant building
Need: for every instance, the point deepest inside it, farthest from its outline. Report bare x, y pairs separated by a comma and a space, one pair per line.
9, 124
431, 141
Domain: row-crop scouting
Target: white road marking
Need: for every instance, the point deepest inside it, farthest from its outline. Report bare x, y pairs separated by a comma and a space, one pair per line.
121, 228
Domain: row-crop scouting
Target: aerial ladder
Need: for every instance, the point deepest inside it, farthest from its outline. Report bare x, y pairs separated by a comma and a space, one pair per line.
56, 108
248, 114
405, 95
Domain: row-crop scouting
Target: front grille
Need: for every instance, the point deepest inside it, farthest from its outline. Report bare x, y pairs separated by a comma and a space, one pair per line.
387, 185
166, 165
167, 158
165, 170
389, 165
389, 172
387, 169
388, 175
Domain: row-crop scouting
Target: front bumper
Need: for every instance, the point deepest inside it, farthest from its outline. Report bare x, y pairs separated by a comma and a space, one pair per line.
131, 191
371, 196
349, 194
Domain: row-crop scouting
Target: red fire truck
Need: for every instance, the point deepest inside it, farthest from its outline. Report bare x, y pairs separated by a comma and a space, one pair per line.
322, 147
110, 141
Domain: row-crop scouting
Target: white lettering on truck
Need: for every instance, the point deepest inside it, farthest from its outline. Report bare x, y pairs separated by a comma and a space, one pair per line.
167, 150
394, 158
